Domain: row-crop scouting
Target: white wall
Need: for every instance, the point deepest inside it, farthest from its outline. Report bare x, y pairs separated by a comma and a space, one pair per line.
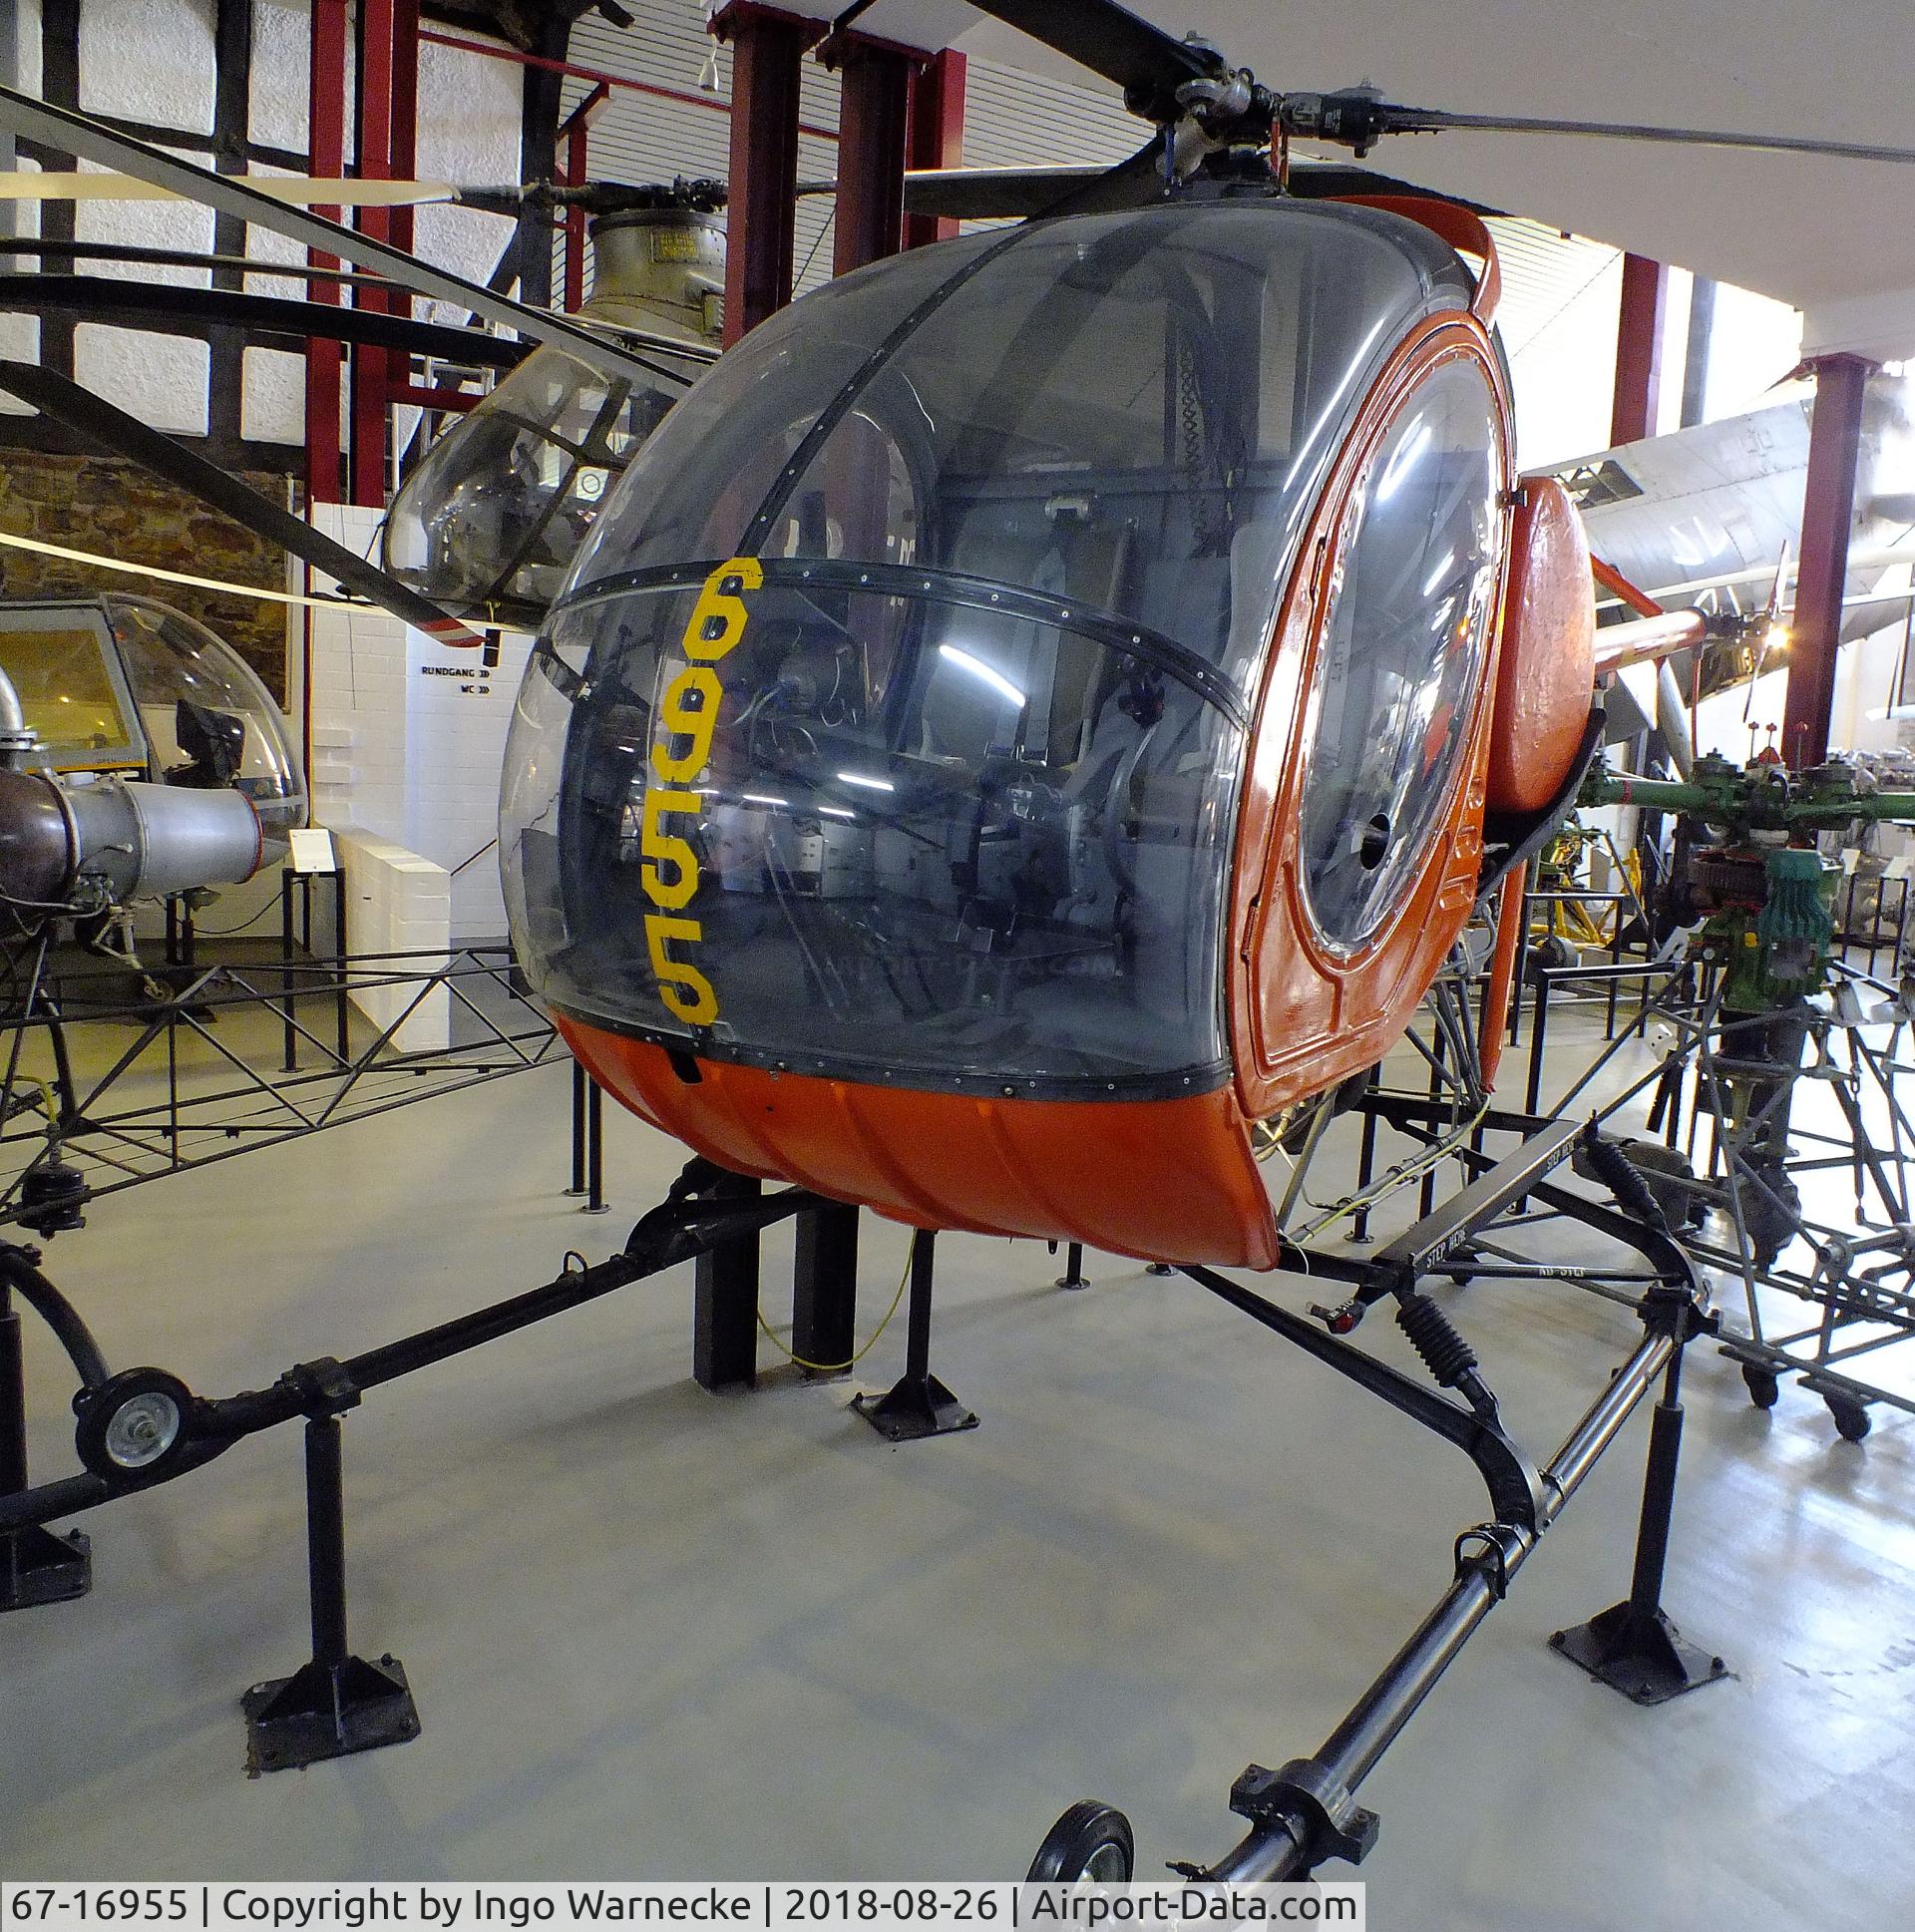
153, 60
408, 736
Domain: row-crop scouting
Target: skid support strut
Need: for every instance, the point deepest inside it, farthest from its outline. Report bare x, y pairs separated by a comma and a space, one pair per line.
1631, 1646
36, 1566
1306, 1811
917, 1404
337, 1702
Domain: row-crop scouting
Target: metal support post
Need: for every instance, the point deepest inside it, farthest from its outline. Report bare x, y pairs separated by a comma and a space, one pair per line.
767, 52
595, 1148
874, 81
337, 1702
342, 1008
724, 1341
824, 1286
1639, 351
937, 136
326, 88
918, 1405
286, 982
579, 1079
1631, 1646
36, 1566
1074, 1275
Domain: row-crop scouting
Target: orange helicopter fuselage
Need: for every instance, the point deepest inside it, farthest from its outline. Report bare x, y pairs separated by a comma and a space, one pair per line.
1175, 1179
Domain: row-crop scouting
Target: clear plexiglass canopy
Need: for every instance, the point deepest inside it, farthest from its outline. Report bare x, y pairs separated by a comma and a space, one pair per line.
132, 685
892, 721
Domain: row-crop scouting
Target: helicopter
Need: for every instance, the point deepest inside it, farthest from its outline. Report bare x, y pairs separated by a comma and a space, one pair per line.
1040, 711
139, 756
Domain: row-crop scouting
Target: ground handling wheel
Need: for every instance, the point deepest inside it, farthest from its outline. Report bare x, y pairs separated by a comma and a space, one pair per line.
1763, 1386
1851, 1416
1090, 1845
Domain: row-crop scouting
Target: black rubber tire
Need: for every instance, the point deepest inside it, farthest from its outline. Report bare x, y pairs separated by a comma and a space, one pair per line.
1091, 1844
1763, 1385
1852, 1419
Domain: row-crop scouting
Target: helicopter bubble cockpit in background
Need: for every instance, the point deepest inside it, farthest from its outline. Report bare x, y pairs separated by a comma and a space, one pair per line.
1044, 672
492, 514
142, 754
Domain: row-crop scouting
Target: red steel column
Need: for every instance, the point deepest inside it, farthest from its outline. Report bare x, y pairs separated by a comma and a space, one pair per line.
574, 139
873, 113
404, 150
1638, 350
372, 149
767, 52
937, 136
1829, 512
325, 157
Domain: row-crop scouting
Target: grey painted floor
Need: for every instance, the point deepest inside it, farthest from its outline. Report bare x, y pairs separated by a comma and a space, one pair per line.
657, 1633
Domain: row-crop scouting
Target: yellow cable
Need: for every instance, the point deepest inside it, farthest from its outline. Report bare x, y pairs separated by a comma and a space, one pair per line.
1412, 1169
831, 1367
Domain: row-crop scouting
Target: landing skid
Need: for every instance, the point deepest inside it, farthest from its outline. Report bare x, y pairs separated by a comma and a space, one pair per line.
1305, 1812
1299, 1814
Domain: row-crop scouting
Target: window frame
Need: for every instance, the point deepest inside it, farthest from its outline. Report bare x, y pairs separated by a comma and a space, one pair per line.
1397, 394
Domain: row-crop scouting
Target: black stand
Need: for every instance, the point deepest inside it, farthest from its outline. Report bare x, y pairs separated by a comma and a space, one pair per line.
725, 1323
918, 1405
338, 1702
1074, 1275
36, 1566
824, 1288
1631, 1646
288, 982
587, 1141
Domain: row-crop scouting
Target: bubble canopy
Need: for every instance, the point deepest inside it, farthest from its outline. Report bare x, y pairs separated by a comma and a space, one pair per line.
891, 722
129, 684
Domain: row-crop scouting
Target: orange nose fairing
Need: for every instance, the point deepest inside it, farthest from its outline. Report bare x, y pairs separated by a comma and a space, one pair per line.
1163, 1180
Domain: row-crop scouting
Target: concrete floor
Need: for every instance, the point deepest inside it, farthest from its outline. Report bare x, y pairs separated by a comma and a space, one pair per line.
657, 1633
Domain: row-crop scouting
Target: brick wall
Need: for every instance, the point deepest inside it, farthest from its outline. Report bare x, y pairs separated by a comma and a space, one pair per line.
116, 509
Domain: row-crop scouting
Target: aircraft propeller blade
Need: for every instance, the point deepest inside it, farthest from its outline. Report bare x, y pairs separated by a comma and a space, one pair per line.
1017, 193
1167, 80
122, 434
990, 194
239, 194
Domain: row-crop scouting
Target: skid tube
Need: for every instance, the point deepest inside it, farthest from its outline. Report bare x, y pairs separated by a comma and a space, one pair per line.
1299, 1815
691, 1220
143, 1427
1305, 1812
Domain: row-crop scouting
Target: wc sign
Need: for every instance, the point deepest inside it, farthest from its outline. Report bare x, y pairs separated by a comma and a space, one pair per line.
472, 679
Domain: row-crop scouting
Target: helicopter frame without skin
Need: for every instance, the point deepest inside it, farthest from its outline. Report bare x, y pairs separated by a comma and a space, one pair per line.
1299, 1815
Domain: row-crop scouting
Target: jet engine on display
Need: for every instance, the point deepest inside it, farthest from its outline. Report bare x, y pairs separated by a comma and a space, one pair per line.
139, 756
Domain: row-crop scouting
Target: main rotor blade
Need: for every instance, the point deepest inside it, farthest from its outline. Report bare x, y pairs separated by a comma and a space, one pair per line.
990, 194
1147, 62
168, 308
1013, 193
1132, 183
1399, 120
304, 191
65, 132
123, 435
